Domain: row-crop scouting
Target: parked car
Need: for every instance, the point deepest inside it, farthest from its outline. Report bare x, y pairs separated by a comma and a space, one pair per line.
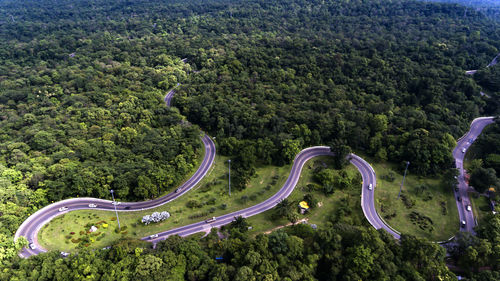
92, 205
62, 209
153, 236
64, 254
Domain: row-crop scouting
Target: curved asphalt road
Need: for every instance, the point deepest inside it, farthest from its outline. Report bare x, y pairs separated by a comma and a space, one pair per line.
32, 225
465, 142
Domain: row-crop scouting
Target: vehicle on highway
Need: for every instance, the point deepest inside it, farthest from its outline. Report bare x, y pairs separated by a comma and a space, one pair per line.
153, 236
456, 188
116, 203
210, 220
32, 246
469, 208
63, 209
127, 208
459, 199
463, 223
177, 190
370, 187
463, 150
92, 205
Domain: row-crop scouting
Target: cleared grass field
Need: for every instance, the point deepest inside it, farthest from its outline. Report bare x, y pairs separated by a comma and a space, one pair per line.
426, 207
211, 194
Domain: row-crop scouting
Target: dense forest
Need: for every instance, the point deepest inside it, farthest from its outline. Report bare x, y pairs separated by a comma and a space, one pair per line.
485, 167
490, 8
81, 112
340, 252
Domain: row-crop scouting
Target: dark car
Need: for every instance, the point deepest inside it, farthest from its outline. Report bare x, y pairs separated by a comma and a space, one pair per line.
459, 199
127, 208
456, 188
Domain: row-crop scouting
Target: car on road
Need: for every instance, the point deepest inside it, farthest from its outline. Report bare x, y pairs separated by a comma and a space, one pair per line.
469, 208
370, 186
177, 190
62, 209
456, 188
127, 208
92, 205
463, 224
463, 150
459, 199
116, 203
32, 246
153, 236
210, 220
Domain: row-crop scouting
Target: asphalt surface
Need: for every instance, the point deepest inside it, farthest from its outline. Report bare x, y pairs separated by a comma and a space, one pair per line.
465, 142
32, 225
368, 196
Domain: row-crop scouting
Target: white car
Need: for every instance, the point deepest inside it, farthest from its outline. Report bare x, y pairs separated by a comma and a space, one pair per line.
62, 209
469, 208
370, 187
463, 223
116, 203
463, 150
153, 236
92, 205
32, 246
64, 254
177, 190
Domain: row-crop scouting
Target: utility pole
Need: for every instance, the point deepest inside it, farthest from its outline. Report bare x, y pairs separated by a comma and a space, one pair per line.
114, 203
229, 161
404, 176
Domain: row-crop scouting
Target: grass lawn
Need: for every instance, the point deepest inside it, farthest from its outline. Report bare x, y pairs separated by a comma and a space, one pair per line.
428, 212
329, 204
480, 206
211, 194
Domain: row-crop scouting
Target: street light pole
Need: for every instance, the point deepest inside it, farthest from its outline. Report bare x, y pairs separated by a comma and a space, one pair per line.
116, 212
229, 161
404, 176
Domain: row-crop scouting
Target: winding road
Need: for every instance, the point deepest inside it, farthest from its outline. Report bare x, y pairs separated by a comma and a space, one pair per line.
463, 144
31, 226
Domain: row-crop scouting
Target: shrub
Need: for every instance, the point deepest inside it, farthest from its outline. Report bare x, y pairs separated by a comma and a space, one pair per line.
211, 210
253, 197
244, 199
72, 233
223, 206
193, 204
211, 201
113, 218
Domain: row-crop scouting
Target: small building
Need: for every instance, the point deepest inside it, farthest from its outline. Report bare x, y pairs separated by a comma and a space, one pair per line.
303, 207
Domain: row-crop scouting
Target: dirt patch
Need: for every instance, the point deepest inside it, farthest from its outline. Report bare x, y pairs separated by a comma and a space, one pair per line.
288, 224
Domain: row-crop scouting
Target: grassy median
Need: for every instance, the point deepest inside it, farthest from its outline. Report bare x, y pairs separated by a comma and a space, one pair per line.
209, 198
426, 207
